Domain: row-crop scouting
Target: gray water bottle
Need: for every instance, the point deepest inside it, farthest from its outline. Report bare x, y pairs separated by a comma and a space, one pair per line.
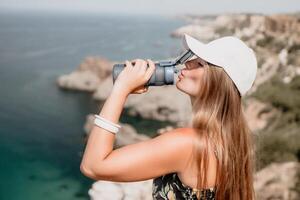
164, 70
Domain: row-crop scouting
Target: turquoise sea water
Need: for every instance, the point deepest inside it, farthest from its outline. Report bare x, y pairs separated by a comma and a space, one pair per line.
41, 126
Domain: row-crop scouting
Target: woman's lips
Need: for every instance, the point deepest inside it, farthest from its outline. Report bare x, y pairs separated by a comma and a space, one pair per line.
180, 76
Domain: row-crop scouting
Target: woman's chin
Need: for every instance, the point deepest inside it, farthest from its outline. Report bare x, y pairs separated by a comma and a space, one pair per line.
178, 85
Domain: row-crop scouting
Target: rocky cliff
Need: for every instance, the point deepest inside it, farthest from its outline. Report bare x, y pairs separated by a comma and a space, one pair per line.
272, 106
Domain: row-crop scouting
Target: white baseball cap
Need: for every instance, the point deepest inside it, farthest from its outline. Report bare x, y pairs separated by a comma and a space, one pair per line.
230, 53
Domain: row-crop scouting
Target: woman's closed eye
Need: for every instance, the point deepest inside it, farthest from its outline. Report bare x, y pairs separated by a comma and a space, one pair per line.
195, 65
199, 64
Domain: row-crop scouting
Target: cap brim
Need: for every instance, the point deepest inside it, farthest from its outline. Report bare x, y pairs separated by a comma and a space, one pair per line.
192, 43
200, 49
192, 58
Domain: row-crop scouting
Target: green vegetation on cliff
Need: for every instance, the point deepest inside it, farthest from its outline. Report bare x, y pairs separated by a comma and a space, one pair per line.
280, 140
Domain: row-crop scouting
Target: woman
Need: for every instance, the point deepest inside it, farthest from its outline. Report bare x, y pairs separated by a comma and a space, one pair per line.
211, 158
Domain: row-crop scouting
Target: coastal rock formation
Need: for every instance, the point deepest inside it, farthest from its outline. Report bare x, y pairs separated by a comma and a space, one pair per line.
281, 23
267, 70
277, 181
257, 114
102, 190
87, 76
164, 103
208, 28
104, 89
83, 81
276, 41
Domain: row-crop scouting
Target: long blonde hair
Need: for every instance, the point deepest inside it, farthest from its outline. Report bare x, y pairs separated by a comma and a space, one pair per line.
219, 121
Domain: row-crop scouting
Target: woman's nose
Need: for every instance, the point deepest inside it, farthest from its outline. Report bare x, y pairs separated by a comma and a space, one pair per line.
183, 71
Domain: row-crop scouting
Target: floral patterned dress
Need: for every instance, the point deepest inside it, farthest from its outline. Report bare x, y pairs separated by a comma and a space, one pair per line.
169, 187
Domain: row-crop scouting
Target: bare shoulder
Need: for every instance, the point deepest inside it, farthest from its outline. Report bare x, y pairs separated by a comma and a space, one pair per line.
183, 141
188, 133
185, 135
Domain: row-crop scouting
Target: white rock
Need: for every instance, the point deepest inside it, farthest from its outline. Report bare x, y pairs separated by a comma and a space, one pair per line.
268, 69
79, 80
161, 103
257, 114
287, 79
88, 75
297, 70
276, 181
283, 55
103, 90
107, 190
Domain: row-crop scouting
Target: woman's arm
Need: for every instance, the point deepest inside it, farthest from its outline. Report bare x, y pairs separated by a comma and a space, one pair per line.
100, 142
163, 154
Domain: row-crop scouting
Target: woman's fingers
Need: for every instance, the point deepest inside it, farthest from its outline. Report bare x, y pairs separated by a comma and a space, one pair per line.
142, 64
137, 61
138, 65
150, 69
143, 70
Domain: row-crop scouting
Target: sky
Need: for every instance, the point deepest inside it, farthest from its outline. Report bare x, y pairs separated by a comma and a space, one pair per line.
153, 7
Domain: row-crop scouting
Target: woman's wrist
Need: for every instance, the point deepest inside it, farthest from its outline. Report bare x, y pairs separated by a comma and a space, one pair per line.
119, 92
113, 105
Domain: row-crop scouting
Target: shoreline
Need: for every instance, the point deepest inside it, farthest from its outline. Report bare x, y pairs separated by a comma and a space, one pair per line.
267, 34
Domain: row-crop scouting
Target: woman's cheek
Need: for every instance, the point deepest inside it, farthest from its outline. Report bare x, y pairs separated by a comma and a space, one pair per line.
190, 85
193, 82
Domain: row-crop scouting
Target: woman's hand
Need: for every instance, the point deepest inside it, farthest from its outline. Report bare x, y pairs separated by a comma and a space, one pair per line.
134, 76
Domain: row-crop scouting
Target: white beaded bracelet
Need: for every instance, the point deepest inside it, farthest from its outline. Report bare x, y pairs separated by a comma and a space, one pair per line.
107, 121
106, 126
